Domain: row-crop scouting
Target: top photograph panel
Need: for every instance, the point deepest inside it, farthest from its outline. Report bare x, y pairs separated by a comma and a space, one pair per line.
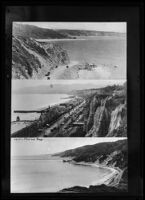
69, 50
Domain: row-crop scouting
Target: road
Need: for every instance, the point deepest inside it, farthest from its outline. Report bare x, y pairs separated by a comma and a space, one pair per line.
66, 119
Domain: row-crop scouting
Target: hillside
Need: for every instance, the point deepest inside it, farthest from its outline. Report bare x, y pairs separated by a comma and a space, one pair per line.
105, 114
109, 154
93, 112
99, 152
88, 33
35, 32
30, 59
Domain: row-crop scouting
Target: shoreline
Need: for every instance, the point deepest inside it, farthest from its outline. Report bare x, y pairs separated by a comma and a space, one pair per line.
43, 108
96, 187
81, 38
107, 180
58, 73
18, 126
79, 70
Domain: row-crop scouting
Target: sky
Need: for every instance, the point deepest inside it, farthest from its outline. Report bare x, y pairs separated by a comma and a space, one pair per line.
21, 147
97, 26
20, 84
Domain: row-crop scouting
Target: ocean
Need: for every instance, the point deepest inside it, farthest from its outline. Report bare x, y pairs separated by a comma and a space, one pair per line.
104, 51
51, 175
32, 102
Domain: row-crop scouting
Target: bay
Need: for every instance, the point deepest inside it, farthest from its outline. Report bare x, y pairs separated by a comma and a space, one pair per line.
51, 175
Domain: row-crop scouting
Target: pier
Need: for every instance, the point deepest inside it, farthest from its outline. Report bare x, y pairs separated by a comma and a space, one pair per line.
33, 111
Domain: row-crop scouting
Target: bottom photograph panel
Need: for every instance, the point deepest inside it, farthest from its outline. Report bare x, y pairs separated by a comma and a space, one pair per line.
70, 165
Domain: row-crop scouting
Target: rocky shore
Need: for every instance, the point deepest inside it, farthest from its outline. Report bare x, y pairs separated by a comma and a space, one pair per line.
110, 155
36, 54
34, 60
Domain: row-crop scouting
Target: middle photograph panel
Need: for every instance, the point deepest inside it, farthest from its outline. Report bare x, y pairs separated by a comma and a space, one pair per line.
68, 108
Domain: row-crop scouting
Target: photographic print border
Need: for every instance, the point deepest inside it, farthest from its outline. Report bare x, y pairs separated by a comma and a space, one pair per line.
131, 14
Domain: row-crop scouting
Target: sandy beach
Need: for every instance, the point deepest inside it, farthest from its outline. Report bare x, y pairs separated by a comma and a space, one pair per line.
111, 179
16, 126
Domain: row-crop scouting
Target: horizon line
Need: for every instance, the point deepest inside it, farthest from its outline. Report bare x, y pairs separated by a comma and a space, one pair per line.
36, 25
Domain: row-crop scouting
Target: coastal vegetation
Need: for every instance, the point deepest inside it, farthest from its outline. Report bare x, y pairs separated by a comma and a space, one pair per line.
89, 113
105, 154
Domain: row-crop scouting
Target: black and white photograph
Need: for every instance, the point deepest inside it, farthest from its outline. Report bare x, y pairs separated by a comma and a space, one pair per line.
69, 165
69, 107
69, 50
83, 108
72, 100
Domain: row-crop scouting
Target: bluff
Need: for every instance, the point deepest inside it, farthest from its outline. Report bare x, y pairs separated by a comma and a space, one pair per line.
107, 115
30, 59
36, 32
100, 153
111, 154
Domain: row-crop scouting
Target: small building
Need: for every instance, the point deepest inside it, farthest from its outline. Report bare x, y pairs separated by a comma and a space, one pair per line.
18, 119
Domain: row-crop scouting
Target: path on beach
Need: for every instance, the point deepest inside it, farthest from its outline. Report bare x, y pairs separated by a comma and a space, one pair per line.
74, 72
112, 179
58, 72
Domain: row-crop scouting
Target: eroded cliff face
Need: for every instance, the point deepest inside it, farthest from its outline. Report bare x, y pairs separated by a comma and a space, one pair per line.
95, 114
108, 115
118, 123
114, 159
117, 159
101, 121
106, 153
93, 106
31, 59
109, 154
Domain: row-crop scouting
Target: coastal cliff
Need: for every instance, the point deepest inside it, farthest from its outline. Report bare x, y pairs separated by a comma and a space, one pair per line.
31, 59
89, 113
118, 125
107, 154
101, 121
107, 112
46, 33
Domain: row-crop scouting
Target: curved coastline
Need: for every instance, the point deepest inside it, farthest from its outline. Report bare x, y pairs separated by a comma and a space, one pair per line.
107, 179
110, 181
